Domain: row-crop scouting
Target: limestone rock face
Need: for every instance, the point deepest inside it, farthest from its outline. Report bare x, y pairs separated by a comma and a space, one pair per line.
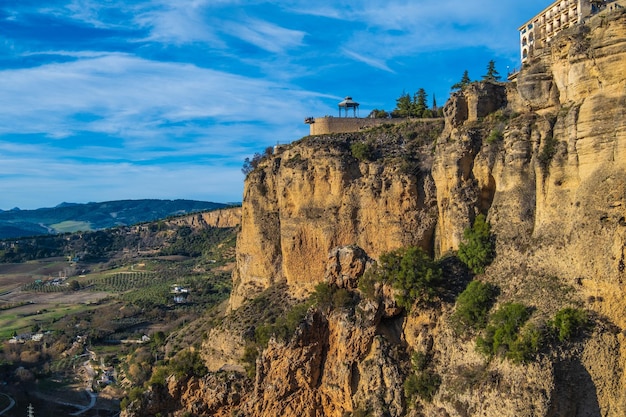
215, 395
229, 217
333, 366
543, 157
314, 196
346, 264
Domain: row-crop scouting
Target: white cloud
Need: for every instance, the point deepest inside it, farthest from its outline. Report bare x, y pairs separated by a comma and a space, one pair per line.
372, 62
130, 95
265, 35
178, 23
384, 31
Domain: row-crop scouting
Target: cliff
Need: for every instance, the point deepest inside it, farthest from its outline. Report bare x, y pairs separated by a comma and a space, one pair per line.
228, 217
542, 157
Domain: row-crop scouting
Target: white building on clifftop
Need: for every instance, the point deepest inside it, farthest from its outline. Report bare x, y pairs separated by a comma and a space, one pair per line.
560, 15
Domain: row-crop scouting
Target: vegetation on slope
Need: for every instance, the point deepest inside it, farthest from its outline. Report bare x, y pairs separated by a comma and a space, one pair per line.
134, 297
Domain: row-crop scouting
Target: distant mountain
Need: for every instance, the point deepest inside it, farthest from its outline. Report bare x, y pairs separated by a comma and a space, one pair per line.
72, 217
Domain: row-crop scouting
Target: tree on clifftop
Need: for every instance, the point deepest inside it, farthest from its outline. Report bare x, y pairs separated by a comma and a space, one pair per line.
416, 107
492, 73
465, 81
403, 106
419, 103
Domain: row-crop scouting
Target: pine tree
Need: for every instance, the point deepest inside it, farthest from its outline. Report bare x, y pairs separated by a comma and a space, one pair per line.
403, 106
465, 81
492, 74
420, 102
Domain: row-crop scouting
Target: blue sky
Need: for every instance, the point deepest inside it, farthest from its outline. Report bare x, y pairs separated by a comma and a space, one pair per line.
126, 99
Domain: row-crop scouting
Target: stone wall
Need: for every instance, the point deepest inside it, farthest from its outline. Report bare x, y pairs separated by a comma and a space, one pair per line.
329, 124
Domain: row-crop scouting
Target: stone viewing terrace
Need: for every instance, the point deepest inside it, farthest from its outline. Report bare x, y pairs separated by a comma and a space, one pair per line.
538, 31
329, 124
344, 124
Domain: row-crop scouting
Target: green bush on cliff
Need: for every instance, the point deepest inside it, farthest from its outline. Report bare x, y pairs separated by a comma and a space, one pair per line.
495, 135
424, 384
548, 150
188, 363
472, 306
363, 151
412, 273
283, 328
505, 335
568, 322
330, 297
477, 249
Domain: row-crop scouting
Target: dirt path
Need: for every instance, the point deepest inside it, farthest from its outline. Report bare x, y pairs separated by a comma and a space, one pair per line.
10, 406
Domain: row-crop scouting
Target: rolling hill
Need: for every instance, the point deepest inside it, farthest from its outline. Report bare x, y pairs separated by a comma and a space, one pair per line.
70, 217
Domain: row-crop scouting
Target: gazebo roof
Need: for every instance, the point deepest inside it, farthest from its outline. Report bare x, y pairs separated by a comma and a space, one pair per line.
348, 102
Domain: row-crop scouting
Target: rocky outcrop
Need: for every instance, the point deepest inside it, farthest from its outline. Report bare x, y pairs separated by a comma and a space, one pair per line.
217, 394
345, 265
542, 157
314, 196
229, 217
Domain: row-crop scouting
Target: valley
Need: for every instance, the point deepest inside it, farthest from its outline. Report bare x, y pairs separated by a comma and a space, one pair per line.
78, 334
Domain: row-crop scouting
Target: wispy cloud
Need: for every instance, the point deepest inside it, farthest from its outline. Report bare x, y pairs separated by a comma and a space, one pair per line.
131, 95
373, 62
265, 35
178, 22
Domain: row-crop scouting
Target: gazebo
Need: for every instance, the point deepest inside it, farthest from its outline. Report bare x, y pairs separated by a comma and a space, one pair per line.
348, 103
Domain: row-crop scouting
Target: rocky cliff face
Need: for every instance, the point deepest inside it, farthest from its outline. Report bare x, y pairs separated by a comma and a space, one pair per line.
543, 157
229, 217
314, 195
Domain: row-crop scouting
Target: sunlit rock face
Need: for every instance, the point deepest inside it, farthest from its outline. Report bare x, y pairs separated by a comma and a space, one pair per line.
543, 157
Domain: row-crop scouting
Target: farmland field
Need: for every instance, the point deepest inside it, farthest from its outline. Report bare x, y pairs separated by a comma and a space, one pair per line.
15, 275
71, 226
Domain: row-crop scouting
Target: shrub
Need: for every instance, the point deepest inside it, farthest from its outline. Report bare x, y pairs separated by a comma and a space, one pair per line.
284, 327
527, 345
417, 277
425, 385
547, 151
249, 357
362, 151
326, 296
369, 282
568, 322
419, 361
323, 295
188, 363
501, 335
494, 136
250, 165
411, 272
473, 305
477, 249
134, 394
159, 376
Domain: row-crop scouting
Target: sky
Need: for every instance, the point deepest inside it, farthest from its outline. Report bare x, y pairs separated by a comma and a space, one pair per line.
127, 99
